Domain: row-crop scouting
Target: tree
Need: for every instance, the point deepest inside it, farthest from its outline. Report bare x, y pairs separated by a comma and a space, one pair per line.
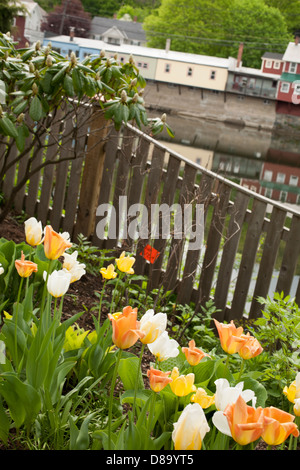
217, 27
106, 8
39, 89
290, 10
8, 10
70, 14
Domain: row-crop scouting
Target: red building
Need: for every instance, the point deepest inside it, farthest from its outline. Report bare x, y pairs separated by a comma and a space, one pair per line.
278, 182
272, 63
288, 91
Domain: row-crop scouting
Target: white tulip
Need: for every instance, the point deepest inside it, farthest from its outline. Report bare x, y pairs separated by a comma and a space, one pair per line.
71, 264
33, 231
164, 347
1, 269
226, 395
58, 282
152, 325
70, 260
190, 429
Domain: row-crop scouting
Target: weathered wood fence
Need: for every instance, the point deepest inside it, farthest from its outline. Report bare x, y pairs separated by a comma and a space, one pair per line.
246, 236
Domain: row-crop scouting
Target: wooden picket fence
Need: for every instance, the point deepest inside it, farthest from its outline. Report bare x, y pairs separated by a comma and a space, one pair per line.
246, 236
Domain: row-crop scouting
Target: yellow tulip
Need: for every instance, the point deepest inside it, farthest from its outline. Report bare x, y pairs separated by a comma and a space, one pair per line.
109, 272
182, 385
202, 398
125, 263
293, 391
190, 429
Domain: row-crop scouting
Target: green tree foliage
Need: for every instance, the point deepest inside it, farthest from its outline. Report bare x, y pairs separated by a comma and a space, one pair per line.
290, 10
106, 8
217, 27
8, 10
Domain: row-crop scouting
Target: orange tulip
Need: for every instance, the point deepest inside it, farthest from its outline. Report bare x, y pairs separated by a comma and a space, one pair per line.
193, 355
126, 330
250, 348
245, 422
158, 379
231, 338
54, 243
278, 425
24, 267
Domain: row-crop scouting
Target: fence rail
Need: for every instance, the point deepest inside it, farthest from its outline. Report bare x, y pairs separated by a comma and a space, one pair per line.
247, 237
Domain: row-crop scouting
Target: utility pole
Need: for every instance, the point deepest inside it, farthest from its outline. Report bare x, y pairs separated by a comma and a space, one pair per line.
63, 17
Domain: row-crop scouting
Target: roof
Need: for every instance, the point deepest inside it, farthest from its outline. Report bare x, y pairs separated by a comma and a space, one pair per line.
292, 53
145, 51
272, 55
289, 77
132, 29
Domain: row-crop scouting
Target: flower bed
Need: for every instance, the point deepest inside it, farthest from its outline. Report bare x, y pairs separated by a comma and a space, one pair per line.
71, 385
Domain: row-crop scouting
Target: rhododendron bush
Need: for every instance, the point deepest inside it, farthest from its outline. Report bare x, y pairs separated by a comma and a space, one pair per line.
64, 387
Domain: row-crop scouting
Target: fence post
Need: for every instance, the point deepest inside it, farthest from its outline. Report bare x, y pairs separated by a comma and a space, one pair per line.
92, 174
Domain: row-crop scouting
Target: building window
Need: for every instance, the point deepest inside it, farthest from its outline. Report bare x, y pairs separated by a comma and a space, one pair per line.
283, 196
277, 65
280, 178
145, 65
167, 68
268, 175
268, 192
212, 74
294, 180
115, 41
268, 64
285, 87
190, 71
292, 67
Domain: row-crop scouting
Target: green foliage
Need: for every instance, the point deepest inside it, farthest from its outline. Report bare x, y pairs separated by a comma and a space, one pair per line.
278, 331
37, 80
217, 28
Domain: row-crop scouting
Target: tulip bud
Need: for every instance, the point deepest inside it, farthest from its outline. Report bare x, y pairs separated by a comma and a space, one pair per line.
102, 54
